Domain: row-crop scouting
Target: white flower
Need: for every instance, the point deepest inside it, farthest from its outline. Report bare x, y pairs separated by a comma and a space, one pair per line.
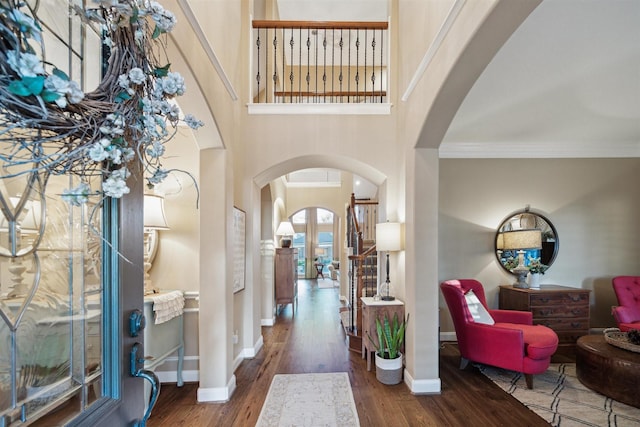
137, 76
115, 185
128, 154
123, 81
97, 152
192, 122
68, 90
158, 176
156, 149
25, 64
165, 19
78, 195
172, 84
74, 93
26, 24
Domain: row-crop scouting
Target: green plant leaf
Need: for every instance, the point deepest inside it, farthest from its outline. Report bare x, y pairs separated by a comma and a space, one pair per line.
49, 96
122, 96
156, 32
16, 87
34, 84
134, 16
58, 72
162, 71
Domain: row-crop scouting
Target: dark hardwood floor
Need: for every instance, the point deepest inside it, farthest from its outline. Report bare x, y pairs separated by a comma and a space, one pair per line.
312, 340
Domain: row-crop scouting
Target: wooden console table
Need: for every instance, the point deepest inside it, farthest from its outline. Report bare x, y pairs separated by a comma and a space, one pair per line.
607, 369
372, 310
161, 341
561, 308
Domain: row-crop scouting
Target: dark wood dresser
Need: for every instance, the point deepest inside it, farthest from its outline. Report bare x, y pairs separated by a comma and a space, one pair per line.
286, 276
561, 308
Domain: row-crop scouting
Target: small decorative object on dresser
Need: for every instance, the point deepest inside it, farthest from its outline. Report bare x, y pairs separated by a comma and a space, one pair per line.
561, 308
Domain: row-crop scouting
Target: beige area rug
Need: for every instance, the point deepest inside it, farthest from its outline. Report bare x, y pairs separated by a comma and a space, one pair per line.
309, 400
561, 399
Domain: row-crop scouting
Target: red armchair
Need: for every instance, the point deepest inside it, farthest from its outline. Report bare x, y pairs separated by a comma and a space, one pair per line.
627, 313
512, 342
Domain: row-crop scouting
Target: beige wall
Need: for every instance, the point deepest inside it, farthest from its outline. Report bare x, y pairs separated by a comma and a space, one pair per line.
593, 203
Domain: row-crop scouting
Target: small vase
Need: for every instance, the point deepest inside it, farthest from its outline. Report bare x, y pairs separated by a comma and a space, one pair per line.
534, 280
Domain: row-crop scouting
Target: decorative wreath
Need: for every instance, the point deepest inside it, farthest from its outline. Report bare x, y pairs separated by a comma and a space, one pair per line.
48, 123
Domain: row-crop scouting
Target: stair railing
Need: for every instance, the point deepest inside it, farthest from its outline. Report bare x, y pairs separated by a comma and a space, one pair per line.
361, 219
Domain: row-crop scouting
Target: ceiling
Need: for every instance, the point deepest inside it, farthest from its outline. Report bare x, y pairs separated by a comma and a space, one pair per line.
566, 84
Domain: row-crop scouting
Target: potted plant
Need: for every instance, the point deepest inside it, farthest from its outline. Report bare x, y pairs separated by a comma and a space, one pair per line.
536, 268
388, 355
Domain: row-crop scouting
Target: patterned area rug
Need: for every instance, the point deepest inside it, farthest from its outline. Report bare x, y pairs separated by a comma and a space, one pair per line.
309, 400
561, 399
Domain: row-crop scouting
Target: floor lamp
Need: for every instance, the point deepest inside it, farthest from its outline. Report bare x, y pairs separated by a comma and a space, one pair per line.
389, 239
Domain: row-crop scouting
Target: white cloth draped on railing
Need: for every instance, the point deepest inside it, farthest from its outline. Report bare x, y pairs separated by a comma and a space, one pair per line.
167, 305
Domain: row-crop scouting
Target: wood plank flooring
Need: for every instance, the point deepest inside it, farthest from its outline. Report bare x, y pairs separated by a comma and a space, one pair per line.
312, 340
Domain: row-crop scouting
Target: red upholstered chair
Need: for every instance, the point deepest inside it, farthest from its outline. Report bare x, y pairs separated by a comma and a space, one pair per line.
512, 342
627, 313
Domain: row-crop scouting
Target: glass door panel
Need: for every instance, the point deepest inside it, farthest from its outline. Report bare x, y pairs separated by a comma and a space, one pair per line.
300, 243
50, 304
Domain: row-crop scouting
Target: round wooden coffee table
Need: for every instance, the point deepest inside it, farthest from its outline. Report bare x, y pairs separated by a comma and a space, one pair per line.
607, 369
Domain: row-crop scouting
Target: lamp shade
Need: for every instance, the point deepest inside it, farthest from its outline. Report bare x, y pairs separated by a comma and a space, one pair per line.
285, 229
389, 236
154, 217
522, 239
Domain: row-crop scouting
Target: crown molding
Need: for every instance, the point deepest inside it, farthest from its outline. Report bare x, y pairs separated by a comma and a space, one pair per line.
542, 150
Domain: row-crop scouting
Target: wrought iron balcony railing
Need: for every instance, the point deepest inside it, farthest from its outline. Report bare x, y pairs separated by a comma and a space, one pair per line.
320, 62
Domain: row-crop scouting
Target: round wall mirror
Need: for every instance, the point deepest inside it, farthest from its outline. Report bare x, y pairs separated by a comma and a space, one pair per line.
521, 221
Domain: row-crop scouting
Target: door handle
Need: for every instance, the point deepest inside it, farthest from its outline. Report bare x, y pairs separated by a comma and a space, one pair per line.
148, 375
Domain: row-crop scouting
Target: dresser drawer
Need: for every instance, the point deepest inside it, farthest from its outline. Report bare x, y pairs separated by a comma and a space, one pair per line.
559, 298
570, 337
564, 324
570, 311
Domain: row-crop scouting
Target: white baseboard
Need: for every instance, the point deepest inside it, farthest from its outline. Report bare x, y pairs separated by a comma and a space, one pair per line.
256, 348
248, 353
448, 336
172, 376
431, 386
237, 361
218, 394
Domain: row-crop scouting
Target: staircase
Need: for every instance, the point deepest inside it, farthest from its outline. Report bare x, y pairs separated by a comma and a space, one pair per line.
363, 267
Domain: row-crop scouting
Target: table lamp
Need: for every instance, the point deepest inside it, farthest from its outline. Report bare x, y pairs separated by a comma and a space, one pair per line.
388, 238
154, 221
285, 229
519, 240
